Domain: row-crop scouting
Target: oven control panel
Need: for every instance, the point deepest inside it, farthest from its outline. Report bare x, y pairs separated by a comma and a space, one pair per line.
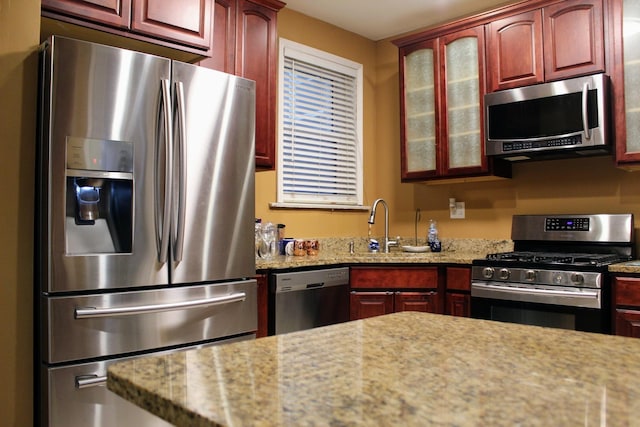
566, 224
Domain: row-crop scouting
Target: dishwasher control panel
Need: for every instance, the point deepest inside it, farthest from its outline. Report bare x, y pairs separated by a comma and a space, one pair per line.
309, 279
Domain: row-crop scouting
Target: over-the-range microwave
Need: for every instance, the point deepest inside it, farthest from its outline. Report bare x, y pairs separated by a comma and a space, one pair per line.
567, 118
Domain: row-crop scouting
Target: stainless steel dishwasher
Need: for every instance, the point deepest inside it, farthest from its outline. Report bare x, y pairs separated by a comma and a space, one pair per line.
307, 299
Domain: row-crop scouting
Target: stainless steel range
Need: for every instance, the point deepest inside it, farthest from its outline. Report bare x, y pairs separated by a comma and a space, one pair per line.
557, 274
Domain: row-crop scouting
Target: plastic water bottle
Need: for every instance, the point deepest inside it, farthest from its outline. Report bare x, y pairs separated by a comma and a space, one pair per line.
432, 237
432, 234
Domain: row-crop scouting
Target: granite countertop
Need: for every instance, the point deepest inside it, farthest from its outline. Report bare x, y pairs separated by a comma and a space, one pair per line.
410, 369
631, 267
454, 251
335, 251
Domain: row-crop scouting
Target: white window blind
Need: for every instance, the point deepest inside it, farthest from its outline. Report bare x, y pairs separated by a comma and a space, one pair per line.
319, 156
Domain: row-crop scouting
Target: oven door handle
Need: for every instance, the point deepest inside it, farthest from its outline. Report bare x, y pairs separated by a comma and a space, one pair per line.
589, 299
92, 312
513, 289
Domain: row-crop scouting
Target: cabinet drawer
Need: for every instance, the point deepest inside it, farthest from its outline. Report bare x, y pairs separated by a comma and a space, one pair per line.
459, 278
627, 291
394, 277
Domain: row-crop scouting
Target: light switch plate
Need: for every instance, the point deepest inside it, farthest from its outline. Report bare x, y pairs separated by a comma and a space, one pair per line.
458, 212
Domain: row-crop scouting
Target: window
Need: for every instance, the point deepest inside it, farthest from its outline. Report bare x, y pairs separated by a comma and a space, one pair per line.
319, 130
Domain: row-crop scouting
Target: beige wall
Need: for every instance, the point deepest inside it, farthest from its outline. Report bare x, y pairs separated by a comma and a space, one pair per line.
19, 37
560, 186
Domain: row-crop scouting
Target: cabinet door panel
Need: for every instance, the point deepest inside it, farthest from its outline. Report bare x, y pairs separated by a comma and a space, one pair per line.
394, 277
458, 304
187, 21
462, 122
459, 278
369, 304
416, 301
115, 13
514, 51
628, 323
625, 81
627, 291
256, 58
418, 77
573, 39
223, 44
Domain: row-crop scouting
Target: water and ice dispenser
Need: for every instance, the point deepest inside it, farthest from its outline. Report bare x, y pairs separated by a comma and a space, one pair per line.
99, 196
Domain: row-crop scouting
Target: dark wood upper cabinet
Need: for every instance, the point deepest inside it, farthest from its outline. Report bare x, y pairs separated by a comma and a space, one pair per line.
116, 13
625, 45
183, 25
245, 44
256, 59
223, 49
442, 80
561, 40
186, 21
514, 51
573, 39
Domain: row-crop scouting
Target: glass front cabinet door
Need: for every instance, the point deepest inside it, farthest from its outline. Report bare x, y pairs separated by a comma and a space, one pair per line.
441, 111
419, 158
462, 54
627, 125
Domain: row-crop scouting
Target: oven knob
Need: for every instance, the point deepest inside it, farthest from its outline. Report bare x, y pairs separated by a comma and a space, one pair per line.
577, 278
487, 272
530, 275
504, 274
557, 279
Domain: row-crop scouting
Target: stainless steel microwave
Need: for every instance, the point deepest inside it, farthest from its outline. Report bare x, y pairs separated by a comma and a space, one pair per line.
567, 118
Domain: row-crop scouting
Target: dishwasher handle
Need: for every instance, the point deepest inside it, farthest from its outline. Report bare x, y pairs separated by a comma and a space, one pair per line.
315, 285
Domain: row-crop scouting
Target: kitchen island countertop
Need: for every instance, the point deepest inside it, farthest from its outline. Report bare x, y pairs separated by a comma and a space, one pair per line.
400, 369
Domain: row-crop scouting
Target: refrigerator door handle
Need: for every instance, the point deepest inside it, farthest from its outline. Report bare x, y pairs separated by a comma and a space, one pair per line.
181, 165
163, 218
93, 312
86, 381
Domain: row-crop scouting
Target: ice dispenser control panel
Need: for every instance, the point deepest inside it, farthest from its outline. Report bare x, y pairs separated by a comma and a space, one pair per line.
99, 204
99, 155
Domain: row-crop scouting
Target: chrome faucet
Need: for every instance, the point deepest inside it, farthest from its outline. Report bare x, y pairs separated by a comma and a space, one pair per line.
387, 243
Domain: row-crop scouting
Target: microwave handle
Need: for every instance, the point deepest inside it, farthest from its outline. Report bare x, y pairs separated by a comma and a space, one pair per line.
585, 116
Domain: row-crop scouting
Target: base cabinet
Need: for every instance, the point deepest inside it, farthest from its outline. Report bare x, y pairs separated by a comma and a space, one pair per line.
626, 310
369, 304
382, 290
458, 291
263, 305
457, 304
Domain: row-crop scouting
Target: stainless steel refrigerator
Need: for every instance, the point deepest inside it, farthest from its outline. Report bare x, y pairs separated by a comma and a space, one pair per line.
144, 209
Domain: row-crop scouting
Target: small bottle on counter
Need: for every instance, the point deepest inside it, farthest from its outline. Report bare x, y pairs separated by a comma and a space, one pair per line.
432, 237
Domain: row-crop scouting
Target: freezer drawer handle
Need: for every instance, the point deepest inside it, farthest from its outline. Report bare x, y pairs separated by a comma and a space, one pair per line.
86, 381
92, 312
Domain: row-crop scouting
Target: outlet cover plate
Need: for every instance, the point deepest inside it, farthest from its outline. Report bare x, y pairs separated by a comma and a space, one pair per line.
458, 212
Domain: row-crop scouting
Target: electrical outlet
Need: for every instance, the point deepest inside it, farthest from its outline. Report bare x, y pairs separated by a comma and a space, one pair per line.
458, 211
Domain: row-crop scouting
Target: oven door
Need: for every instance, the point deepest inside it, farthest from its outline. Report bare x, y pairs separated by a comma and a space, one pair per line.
569, 309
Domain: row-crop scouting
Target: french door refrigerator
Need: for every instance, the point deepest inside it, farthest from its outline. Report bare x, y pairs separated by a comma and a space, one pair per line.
144, 209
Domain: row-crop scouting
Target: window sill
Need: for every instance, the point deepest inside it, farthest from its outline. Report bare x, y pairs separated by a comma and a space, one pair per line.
331, 207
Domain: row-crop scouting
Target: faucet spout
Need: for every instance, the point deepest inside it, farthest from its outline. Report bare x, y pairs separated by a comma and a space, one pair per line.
372, 217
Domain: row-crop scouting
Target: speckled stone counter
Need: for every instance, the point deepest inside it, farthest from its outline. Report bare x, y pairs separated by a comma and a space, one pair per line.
630, 267
336, 251
409, 369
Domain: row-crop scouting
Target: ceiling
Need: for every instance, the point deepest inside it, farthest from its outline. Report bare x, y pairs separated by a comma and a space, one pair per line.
379, 19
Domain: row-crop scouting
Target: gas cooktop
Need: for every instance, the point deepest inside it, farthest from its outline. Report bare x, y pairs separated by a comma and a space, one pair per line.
577, 259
